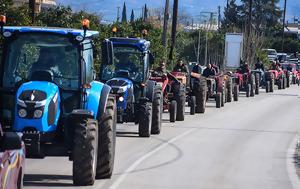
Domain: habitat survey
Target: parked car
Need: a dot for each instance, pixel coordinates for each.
(272, 54)
(12, 159)
(283, 57)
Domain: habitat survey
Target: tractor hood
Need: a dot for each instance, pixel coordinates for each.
(37, 107)
(119, 85)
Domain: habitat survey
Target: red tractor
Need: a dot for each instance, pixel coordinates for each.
(290, 70)
(244, 82)
(275, 77)
(196, 89)
(173, 95)
(217, 89)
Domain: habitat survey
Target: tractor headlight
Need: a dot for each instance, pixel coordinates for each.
(38, 113)
(22, 113)
(122, 89)
(121, 99)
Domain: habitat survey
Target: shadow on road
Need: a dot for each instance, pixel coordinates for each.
(43, 180)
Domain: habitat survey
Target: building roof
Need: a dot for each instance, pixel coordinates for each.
(62, 31)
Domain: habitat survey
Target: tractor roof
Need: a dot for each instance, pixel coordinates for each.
(63, 31)
(142, 44)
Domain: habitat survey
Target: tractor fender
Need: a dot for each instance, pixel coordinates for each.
(103, 100)
(150, 88)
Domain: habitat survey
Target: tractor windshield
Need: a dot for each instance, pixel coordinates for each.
(29, 53)
(128, 62)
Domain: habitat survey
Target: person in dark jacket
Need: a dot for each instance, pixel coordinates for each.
(259, 65)
(161, 69)
(181, 67)
(209, 71)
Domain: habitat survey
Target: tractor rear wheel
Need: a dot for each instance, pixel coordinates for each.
(181, 99)
(192, 105)
(200, 92)
(252, 90)
(173, 111)
(267, 86)
(157, 109)
(229, 90)
(248, 89)
(145, 119)
(218, 100)
(236, 93)
(107, 141)
(272, 82)
(85, 148)
(280, 84)
(288, 80)
(284, 83)
(257, 83)
(223, 98)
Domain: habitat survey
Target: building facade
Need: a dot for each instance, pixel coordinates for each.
(39, 3)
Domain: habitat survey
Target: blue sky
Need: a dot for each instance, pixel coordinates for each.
(109, 7)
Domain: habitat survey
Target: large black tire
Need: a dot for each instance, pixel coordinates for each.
(288, 80)
(272, 83)
(284, 80)
(145, 119)
(257, 83)
(252, 90)
(181, 99)
(218, 100)
(157, 109)
(229, 90)
(223, 98)
(173, 111)
(200, 92)
(192, 105)
(20, 179)
(236, 93)
(293, 80)
(267, 86)
(248, 89)
(85, 148)
(280, 84)
(107, 141)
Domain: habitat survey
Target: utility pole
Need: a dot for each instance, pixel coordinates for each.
(118, 14)
(198, 53)
(219, 17)
(32, 8)
(249, 26)
(283, 25)
(174, 27)
(166, 21)
(206, 44)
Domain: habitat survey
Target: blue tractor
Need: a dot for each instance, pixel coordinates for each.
(49, 93)
(139, 99)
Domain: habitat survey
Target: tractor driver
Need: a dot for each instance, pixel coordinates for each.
(209, 71)
(161, 69)
(259, 65)
(181, 67)
(125, 63)
(244, 68)
(46, 61)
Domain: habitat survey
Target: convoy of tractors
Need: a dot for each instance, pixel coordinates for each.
(51, 94)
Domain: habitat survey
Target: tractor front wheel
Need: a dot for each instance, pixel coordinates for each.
(192, 105)
(107, 141)
(145, 119)
(173, 111)
(157, 109)
(85, 148)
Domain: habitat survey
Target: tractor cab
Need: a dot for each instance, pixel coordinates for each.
(61, 58)
(128, 73)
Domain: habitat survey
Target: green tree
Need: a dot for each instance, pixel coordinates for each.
(231, 22)
(132, 16)
(124, 13)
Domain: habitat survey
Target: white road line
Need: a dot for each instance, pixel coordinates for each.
(291, 169)
(121, 178)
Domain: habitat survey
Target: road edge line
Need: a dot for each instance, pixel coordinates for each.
(131, 168)
(290, 165)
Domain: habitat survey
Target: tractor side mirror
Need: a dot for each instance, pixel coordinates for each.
(10, 141)
(107, 53)
(151, 59)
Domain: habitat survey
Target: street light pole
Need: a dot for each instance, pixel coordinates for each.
(198, 53)
(174, 29)
(166, 19)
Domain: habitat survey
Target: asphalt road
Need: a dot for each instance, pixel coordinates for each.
(245, 145)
